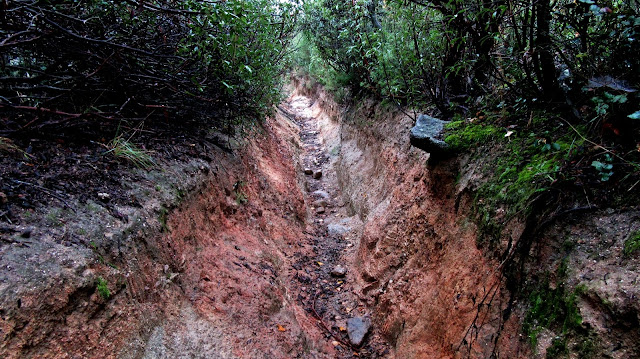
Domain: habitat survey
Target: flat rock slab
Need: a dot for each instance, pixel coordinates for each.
(357, 329)
(428, 135)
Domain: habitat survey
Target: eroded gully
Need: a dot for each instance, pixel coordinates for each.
(324, 281)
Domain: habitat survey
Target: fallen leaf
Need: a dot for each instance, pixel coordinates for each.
(281, 328)
(509, 133)
(342, 329)
(320, 263)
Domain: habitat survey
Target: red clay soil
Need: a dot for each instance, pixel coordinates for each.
(419, 270)
(254, 262)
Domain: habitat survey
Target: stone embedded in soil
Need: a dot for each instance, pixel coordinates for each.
(317, 174)
(320, 203)
(428, 134)
(335, 229)
(339, 271)
(357, 329)
(308, 171)
(320, 210)
(321, 193)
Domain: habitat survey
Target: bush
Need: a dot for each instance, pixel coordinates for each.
(98, 62)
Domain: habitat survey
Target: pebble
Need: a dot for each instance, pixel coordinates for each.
(339, 271)
(320, 203)
(320, 210)
(321, 193)
(317, 174)
(308, 171)
(357, 329)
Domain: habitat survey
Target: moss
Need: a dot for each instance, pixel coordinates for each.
(462, 135)
(53, 218)
(162, 218)
(525, 164)
(558, 348)
(554, 308)
(102, 288)
(632, 243)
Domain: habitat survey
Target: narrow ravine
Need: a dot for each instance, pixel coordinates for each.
(323, 280)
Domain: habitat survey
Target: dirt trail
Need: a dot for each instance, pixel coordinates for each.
(323, 280)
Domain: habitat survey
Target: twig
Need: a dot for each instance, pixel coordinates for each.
(324, 325)
(602, 147)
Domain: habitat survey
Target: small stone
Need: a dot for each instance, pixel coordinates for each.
(308, 171)
(335, 343)
(105, 197)
(3, 198)
(339, 271)
(357, 329)
(320, 210)
(317, 174)
(320, 203)
(321, 193)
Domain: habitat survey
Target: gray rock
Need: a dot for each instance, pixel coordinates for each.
(336, 229)
(428, 135)
(320, 210)
(357, 329)
(339, 271)
(321, 193)
(317, 174)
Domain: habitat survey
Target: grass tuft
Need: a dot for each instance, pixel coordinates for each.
(126, 150)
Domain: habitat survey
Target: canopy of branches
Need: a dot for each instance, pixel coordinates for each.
(73, 63)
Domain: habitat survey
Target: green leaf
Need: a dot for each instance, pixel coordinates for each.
(635, 115)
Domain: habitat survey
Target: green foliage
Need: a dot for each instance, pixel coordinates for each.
(241, 197)
(604, 169)
(102, 287)
(526, 164)
(104, 60)
(632, 243)
(54, 217)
